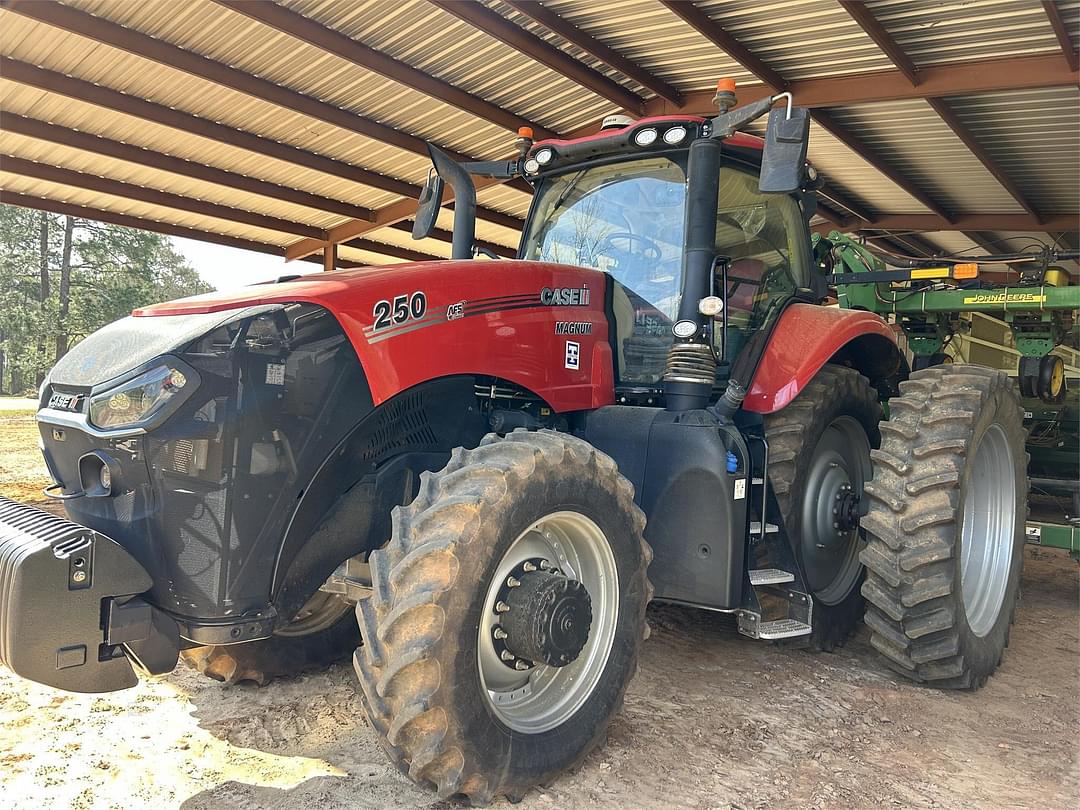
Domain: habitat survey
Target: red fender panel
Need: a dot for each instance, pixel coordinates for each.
(804, 340)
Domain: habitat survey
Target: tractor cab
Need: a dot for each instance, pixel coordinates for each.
(700, 228)
(617, 202)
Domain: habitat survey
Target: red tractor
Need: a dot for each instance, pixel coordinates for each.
(496, 465)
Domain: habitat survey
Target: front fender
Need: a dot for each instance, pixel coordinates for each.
(806, 338)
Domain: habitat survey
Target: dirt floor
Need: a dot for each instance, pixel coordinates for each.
(712, 720)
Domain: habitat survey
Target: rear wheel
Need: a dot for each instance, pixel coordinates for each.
(506, 615)
(323, 632)
(819, 462)
(946, 526)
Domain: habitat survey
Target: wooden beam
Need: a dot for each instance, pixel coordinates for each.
(957, 79)
(129, 191)
(405, 254)
(942, 108)
(80, 90)
(395, 212)
(1068, 50)
(495, 25)
(715, 33)
(329, 258)
(85, 141)
(968, 222)
(595, 48)
(53, 82)
(139, 223)
(443, 235)
(884, 40)
(164, 53)
(307, 30)
(712, 30)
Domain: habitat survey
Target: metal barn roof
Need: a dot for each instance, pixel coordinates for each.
(285, 127)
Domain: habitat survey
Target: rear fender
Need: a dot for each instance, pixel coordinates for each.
(807, 337)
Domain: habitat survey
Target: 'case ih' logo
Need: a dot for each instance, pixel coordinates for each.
(565, 296)
(64, 402)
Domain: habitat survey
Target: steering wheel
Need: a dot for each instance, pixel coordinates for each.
(650, 250)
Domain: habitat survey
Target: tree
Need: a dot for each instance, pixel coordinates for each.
(65, 277)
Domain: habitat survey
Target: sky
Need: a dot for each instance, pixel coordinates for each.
(228, 268)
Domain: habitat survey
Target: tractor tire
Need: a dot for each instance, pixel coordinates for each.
(548, 512)
(946, 526)
(818, 444)
(309, 644)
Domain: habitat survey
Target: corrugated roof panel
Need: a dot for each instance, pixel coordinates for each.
(439, 43)
(106, 202)
(85, 117)
(938, 31)
(77, 160)
(911, 138)
(1035, 136)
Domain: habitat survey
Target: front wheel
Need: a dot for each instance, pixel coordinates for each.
(506, 615)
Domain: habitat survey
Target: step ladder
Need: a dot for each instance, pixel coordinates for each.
(776, 603)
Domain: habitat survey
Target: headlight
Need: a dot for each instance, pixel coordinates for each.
(674, 135)
(645, 137)
(531, 166)
(138, 399)
(544, 156)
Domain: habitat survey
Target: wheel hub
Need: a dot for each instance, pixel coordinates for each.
(846, 509)
(547, 618)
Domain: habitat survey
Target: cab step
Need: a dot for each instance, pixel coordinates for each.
(755, 528)
(770, 576)
(783, 628)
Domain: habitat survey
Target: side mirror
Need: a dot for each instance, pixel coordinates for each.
(431, 196)
(786, 137)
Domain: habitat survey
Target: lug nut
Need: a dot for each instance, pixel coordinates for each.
(528, 566)
(506, 655)
(512, 582)
(500, 633)
(520, 665)
(544, 565)
(501, 607)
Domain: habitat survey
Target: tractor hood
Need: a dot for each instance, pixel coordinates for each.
(417, 321)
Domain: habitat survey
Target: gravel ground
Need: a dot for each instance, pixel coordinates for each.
(712, 720)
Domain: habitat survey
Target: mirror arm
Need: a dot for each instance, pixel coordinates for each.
(501, 169)
(727, 124)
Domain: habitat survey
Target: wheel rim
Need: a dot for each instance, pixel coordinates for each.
(319, 613)
(830, 539)
(543, 697)
(986, 540)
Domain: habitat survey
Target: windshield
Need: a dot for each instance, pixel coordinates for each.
(625, 219)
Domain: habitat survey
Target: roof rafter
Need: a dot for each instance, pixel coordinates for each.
(165, 53)
(1068, 50)
(952, 120)
(966, 222)
(935, 81)
(405, 254)
(484, 19)
(712, 31)
(595, 48)
(130, 191)
(140, 223)
(882, 38)
(314, 33)
(873, 27)
(443, 235)
(43, 131)
(715, 33)
(53, 82)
